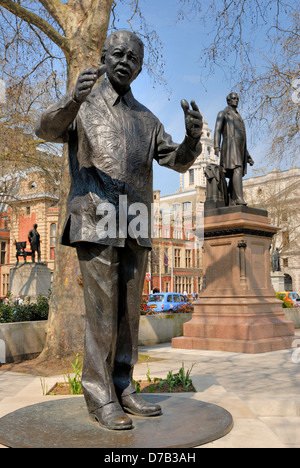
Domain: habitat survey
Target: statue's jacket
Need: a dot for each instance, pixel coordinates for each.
(112, 142)
(234, 151)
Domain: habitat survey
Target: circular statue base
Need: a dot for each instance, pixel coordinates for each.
(65, 423)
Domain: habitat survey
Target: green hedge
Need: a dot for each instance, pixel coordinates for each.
(26, 312)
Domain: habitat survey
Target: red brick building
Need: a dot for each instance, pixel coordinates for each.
(31, 199)
(175, 263)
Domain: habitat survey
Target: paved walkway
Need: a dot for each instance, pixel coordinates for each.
(260, 391)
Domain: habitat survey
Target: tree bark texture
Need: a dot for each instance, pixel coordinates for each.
(88, 29)
(81, 33)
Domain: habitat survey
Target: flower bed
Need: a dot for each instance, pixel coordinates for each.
(187, 308)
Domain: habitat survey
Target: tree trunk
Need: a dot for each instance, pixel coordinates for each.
(66, 323)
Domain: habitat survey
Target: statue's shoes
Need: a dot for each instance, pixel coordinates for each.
(111, 416)
(136, 405)
(241, 202)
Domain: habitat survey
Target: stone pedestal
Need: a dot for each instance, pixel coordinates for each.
(30, 279)
(237, 311)
(277, 278)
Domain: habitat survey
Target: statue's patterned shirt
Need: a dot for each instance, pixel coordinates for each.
(112, 143)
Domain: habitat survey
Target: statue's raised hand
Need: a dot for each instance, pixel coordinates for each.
(193, 119)
(86, 81)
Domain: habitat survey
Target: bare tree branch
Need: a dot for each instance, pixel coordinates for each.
(36, 20)
(57, 10)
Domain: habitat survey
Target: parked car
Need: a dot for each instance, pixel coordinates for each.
(289, 296)
(165, 301)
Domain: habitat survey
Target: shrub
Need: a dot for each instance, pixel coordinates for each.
(285, 304)
(26, 312)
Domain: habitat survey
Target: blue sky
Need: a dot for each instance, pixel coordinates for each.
(181, 52)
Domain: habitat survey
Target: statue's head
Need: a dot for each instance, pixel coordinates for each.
(35, 226)
(233, 99)
(123, 54)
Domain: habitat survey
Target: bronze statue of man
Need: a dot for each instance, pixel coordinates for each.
(234, 153)
(113, 140)
(276, 260)
(35, 243)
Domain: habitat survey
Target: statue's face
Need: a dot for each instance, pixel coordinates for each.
(123, 61)
(233, 100)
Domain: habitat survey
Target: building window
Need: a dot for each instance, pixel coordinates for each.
(176, 207)
(187, 207)
(177, 258)
(183, 284)
(188, 258)
(155, 260)
(3, 253)
(192, 176)
(198, 258)
(166, 261)
(178, 284)
(285, 238)
(199, 283)
(5, 284)
(187, 284)
(285, 262)
(28, 210)
(52, 240)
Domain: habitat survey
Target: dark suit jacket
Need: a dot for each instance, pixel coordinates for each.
(112, 143)
(34, 239)
(234, 151)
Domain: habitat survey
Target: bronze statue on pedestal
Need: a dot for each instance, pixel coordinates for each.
(113, 140)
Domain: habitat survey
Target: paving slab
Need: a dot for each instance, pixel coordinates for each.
(248, 433)
(287, 429)
(260, 391)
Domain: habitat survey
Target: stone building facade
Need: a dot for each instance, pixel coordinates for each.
(31, 199)
(279, 193)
